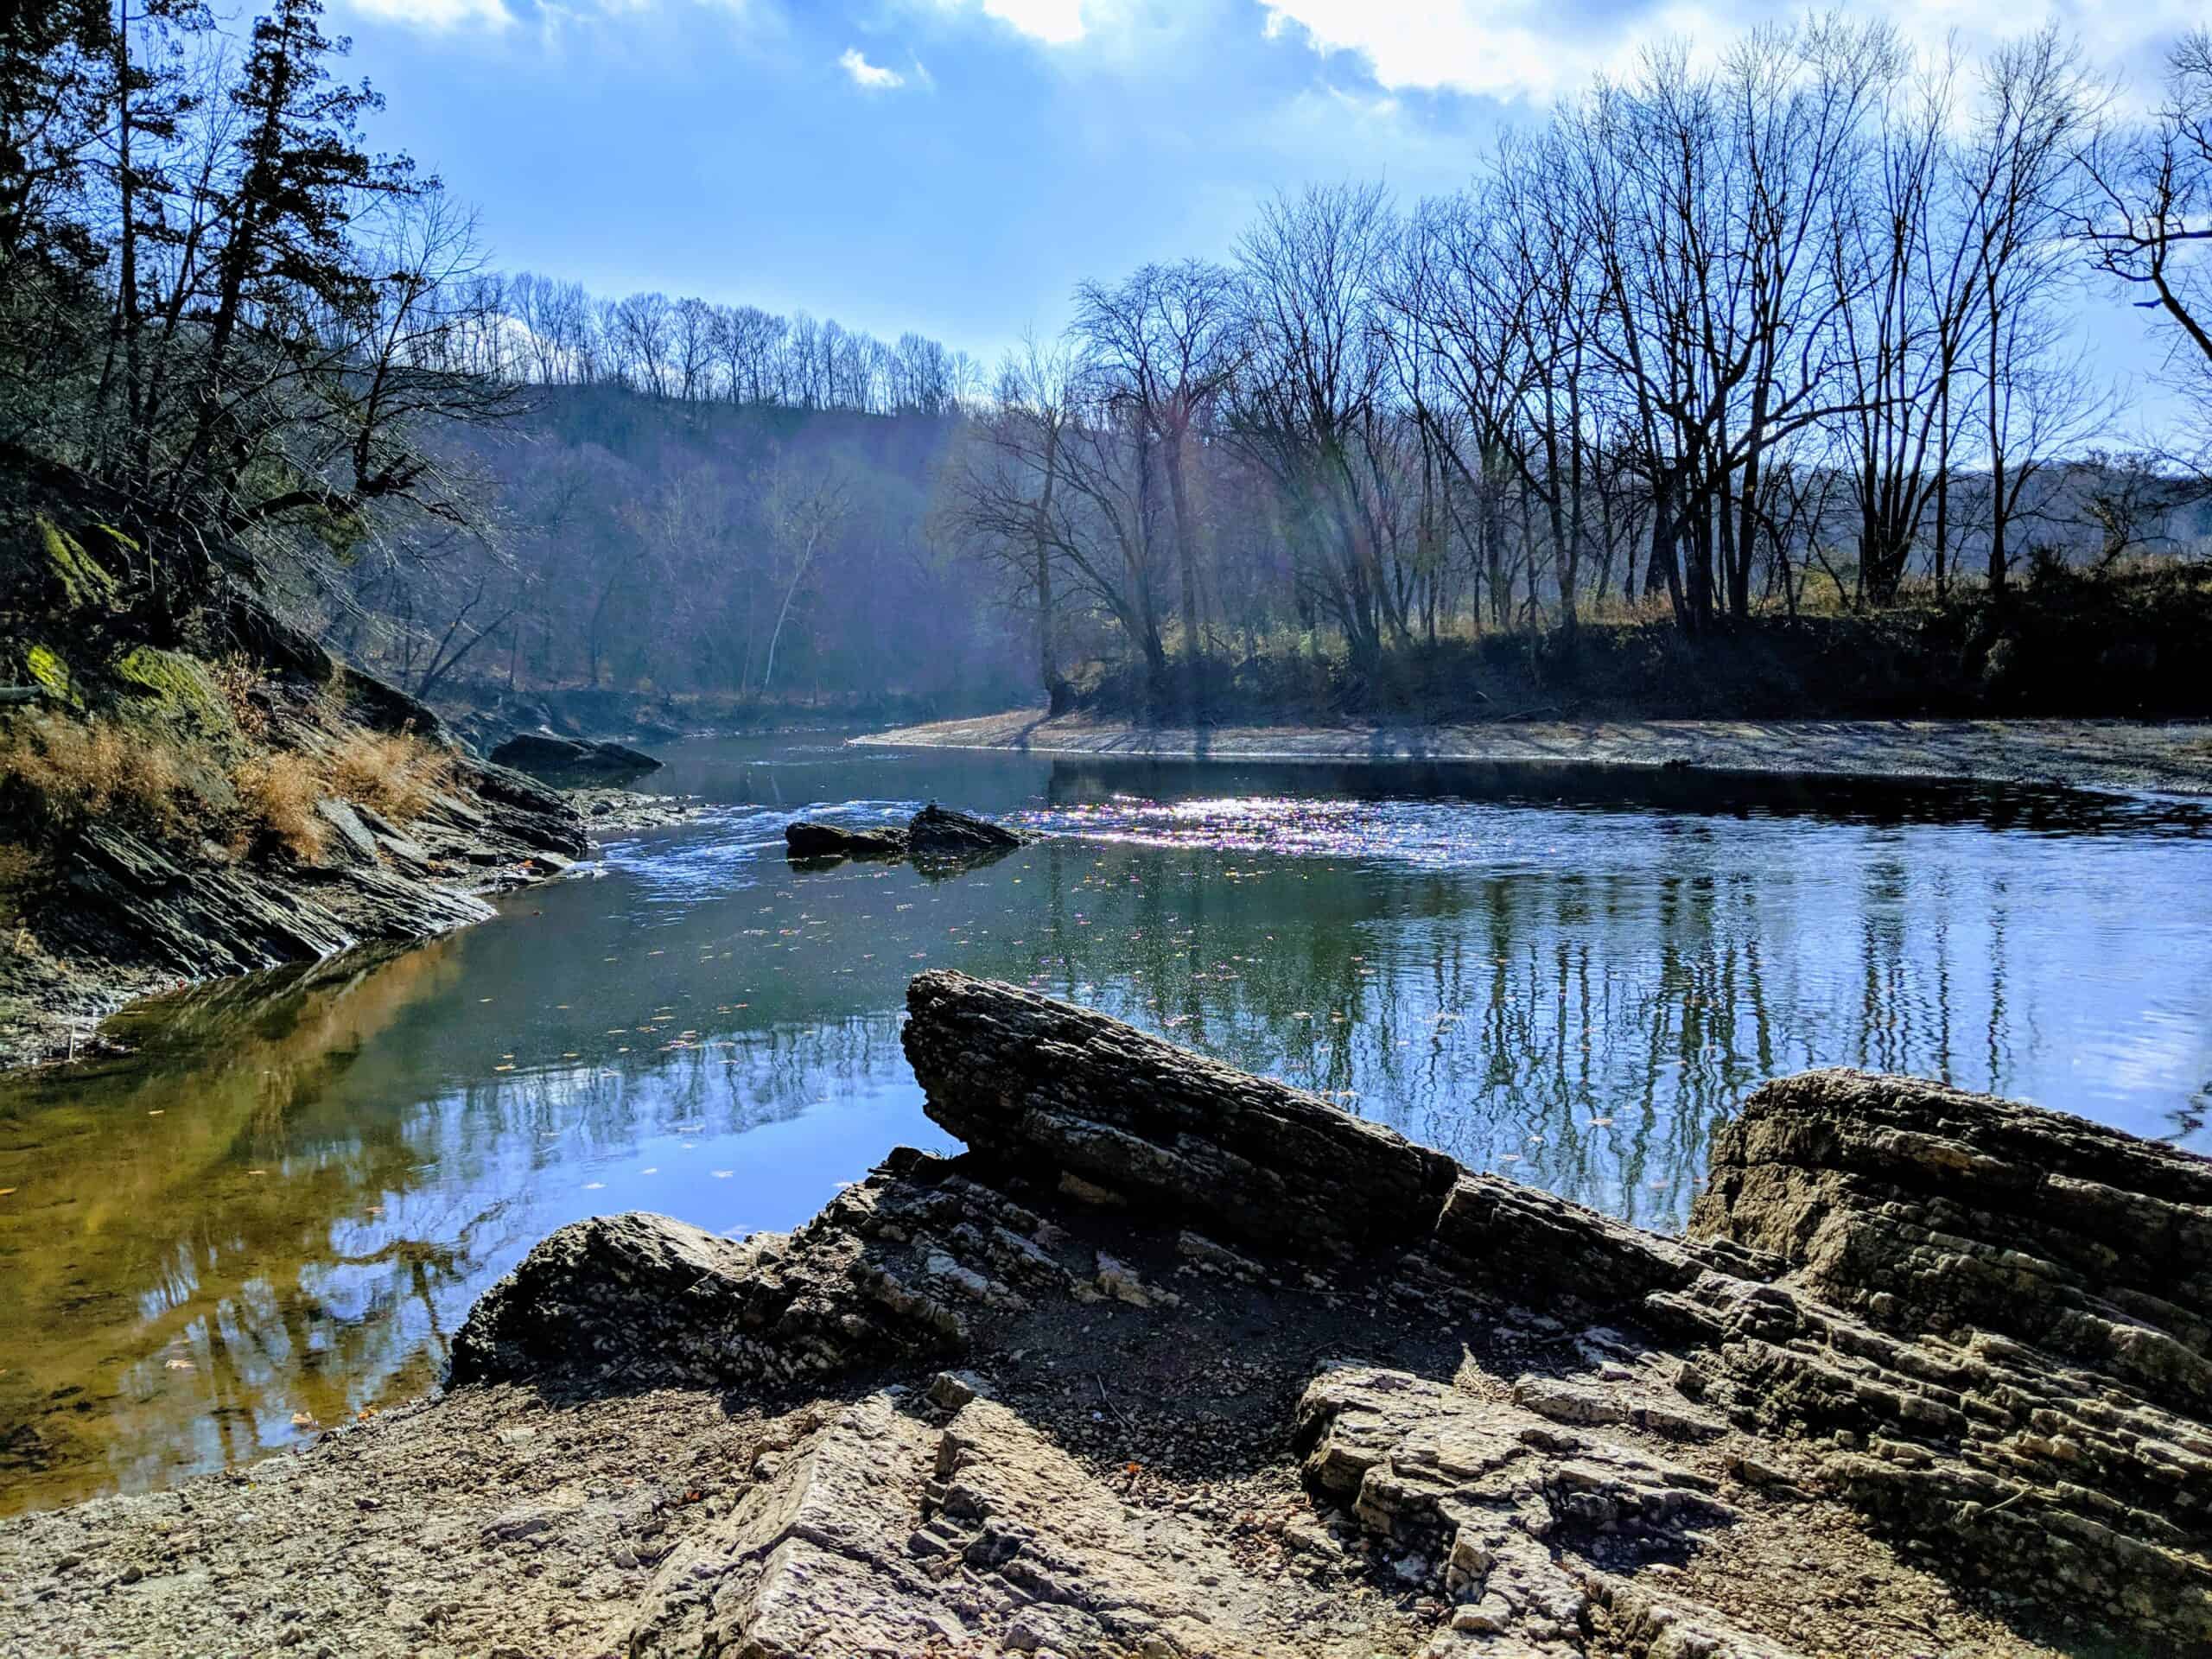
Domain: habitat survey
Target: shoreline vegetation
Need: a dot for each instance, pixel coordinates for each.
(1173, 1360)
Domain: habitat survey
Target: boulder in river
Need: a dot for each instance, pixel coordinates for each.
(808, 839)
(542, 755)
(940, 832)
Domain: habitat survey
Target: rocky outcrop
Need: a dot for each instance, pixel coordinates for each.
(1914, 1339)
(1117, 1113)
(563, 758)
(900, 1265)
(942, 843)
(940, 832)
(130, 911)
(1994, 1319)
(809, 840)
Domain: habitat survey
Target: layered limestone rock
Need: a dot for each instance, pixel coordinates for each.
(1925, 1363)
(901, 1526)
(1047, 1085)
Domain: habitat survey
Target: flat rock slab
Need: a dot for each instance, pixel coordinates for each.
(2172, 755)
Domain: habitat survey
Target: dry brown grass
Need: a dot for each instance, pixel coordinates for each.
(77, 770)
(20, 869)
(277, 794)
(396, 772)
(236, 680)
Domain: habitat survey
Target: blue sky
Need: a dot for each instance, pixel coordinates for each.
(956, 166)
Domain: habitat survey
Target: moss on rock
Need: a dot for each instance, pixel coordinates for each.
(178, 684)
(85, 583)
(51, 670)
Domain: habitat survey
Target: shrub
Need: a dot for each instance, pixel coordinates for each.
(277, 800)
(395, 772)
(20, 870)
(77, 770)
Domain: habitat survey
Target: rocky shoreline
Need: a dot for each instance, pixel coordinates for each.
(145, 920)
(2169, 757)
(1176, 1361)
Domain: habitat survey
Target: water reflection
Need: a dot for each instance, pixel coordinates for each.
(276, 1213)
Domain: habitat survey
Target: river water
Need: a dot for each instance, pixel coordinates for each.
(276, 1210)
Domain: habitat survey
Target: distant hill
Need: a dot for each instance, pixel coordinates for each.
(662, 546)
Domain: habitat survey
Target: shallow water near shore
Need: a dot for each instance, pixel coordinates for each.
(277, 1210)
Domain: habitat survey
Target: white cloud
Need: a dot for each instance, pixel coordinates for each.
(1538, 49)
(1055, 22)
(870, 77)
(437, 14)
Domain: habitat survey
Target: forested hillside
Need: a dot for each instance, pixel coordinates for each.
(648, 543)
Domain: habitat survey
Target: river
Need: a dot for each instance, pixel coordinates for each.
(276, 1211)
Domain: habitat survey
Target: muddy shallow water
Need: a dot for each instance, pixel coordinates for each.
(276, 1212)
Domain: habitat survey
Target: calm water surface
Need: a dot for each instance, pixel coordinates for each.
(277, 1210)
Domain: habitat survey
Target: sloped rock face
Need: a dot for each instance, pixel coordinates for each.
(1995, 1317)
(896, 1528)
(1051, 1085)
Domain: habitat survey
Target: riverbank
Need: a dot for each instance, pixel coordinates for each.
(2170, 757)
(1177, 1361)
(441, 875)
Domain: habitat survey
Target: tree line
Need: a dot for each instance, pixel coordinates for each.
(225, 322)
(1806, 310)
(1795, 320)
(695, 351)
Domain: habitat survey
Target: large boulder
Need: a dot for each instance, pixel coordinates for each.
(1057, 1087)
(940, 832)
(542, 755)
(807, 839)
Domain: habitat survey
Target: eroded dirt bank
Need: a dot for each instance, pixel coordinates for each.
(2174, 757)
(1175, 1361)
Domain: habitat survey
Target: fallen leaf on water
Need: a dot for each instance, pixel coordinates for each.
(6, 1191)
(593, 1186)
(157, 1112)
(303, 1419)
(180, 1365)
